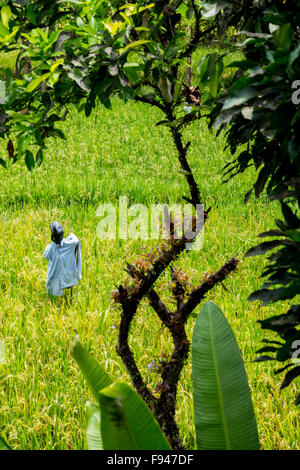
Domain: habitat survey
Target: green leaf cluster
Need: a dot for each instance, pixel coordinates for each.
(224, 416)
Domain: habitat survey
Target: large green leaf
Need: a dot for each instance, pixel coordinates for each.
(6, 15)
(94, 374)
(3, 445)
(127, 423)
(93, 434)
(224, 416)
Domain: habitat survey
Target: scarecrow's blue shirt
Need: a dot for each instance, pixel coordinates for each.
(63, 268)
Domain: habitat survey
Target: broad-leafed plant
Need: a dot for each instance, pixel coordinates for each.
(223, 410)
(260, 111)
(80, 53)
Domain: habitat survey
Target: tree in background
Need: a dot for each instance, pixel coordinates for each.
(260, 111)
(81, 53)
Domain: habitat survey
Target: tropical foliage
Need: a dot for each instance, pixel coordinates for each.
(73, 53)
(224, 416)
(260, 112)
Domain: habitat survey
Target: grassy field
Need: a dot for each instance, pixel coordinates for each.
(112, 154)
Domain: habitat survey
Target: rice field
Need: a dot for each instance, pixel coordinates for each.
(115, 153)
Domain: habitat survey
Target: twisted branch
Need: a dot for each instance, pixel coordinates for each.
(129, 297)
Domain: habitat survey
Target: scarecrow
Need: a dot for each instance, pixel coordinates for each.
(64, 256)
